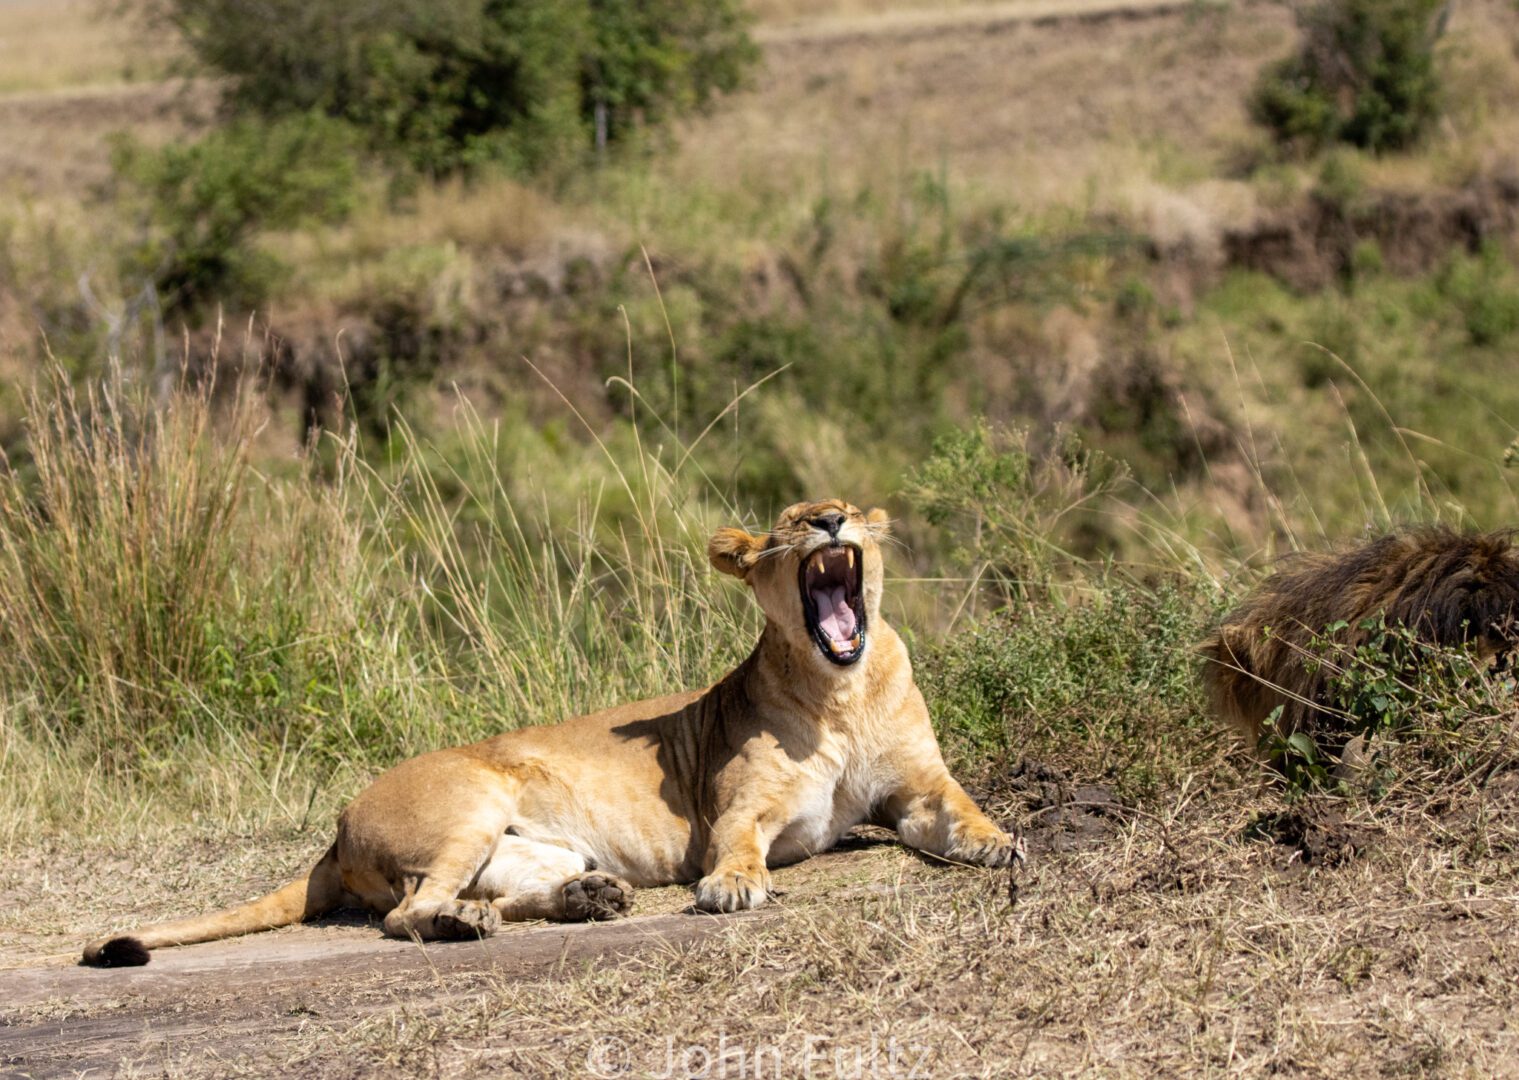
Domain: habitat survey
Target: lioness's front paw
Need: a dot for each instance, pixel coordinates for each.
(733, 890)
(986, 845)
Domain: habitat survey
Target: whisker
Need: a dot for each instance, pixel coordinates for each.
(772, 552)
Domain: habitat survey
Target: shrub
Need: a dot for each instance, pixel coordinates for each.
(1016, 513)
(1422, 715)
(1105, 688)
(445, 84)
(1483, 290)
(1364, 75)
(203, 204)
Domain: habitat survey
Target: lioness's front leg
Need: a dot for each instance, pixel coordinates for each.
(932, 813)
(736, 875)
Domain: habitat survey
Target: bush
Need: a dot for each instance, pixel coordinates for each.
(1422, 715)
(1018, 514)
(1483, 290)
(1364, 75)
(204, 204)
(1105, 688)
(444, 84)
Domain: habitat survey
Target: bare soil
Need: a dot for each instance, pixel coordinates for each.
(1227, 931)
(234, 998)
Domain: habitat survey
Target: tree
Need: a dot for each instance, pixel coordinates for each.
(445, 84)
(1364, 74)
(203, 205)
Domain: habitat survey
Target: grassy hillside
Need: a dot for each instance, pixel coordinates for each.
(1022, 273)
(1037, 286)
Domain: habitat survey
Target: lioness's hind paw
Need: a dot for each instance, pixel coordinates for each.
(596, 896)
(466, 919)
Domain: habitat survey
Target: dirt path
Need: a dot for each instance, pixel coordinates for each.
(1164, 942)
(238, 997)
(917, 22)
(276, 994)
(243, 994)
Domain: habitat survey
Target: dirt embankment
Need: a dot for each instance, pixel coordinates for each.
(1314, 245)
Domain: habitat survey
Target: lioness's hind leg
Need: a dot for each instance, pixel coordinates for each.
(527, 879)
(435, 907)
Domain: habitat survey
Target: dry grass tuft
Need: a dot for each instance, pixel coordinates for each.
(50, 45)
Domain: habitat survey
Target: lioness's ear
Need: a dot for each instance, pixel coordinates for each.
(878, 519)
(734, 551)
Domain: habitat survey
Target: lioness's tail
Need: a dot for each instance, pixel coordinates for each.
(305, 898)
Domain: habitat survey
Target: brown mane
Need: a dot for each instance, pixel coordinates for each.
(1449, 588)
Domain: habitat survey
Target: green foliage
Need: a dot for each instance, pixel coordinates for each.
(1364, 75)
(934, 269)
(1423, 714)
(1484, 290)
(653, 59)
(445, 84)
(1017, 513)
(1297, 757)
(205, 204)
(1410, 388)
(1104, 688)
(161, 599)
(150, 594)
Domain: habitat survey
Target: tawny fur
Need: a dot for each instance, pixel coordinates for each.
(1449, 588)
(768, 766)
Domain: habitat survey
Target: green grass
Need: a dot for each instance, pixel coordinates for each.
(187, 633)
(1377, 403)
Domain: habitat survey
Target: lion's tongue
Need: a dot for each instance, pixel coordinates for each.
(835, 615)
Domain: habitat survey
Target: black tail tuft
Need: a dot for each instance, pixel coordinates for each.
(120, 952)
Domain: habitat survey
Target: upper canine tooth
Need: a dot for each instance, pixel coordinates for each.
(817, 561)
(850, 552)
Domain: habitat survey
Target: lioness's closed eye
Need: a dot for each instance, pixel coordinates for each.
(820, 729)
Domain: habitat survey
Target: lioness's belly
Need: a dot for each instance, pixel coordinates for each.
(625, 829)
(824, 815)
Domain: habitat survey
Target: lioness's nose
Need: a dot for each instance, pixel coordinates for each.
(829, 523)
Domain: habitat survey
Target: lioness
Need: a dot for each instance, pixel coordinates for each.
(820, 729)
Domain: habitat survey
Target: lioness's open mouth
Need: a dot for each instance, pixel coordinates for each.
(834, 600)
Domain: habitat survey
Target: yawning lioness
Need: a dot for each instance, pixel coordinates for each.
(820, 729)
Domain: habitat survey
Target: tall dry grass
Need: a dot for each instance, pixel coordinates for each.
(52, 45)
(186, 634)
